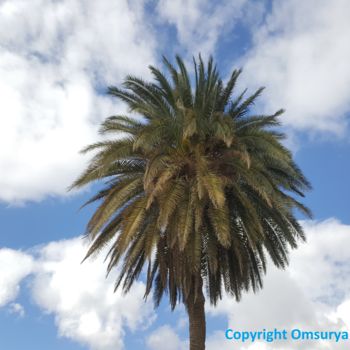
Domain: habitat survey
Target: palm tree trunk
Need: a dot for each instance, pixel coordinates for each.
(196, 315)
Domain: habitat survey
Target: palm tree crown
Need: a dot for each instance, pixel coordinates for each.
(196, 189)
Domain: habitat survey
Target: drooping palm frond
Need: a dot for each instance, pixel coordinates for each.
(199, 189)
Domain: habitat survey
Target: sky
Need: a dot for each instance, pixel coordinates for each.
(57, 58)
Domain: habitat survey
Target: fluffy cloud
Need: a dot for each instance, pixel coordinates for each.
(57, 58)
(301, 55)
(325, 260)
(54, 61)
(165, 338)
(199, 24)
(14, 266)
(312, 294)
(82, 299)
(17, 309)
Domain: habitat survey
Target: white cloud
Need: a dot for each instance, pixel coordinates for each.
(52, 61)
(325, 259)
(312, 294)
(217, 342)
(301, 55)
(14, 267)
(79, 296)
(199, 24)
(17, 309)
(165, 338)
(82, 299)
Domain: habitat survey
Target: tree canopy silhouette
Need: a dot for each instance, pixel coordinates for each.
(198, 190)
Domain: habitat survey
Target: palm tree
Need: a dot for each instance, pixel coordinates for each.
(197, 190)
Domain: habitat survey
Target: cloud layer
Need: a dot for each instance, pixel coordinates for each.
(301, 55)
(53, 62)
(312, 294)
(14, 267)
(79, 296)
(82, 299)
(200, 24)
(56, 61)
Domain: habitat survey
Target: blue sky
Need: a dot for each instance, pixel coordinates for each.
(57, 58)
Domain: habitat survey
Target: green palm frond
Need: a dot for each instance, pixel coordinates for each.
(195, 187)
